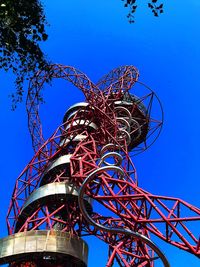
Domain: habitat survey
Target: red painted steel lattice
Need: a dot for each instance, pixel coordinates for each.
(98, 137)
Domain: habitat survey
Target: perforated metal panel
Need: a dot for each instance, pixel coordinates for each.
(27, 245)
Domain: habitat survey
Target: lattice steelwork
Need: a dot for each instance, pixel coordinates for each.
(82, 181)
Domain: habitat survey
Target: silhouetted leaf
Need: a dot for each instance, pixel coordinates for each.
(44, 36)
(155, 13)
(150, 5)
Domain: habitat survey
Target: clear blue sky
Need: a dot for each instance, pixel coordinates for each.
(95, 37)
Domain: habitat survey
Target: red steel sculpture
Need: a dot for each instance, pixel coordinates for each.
(82, 181)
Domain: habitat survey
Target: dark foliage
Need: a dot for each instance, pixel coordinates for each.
(155, 7)
(22, 27)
